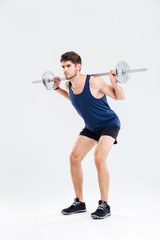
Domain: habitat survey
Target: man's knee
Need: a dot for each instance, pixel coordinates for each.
(99, 159)
(75, 159)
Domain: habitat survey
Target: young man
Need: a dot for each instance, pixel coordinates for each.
(88, 95)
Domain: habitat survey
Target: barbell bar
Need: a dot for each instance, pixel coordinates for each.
(122, 72)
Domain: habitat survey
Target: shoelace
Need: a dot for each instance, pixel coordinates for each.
(102, 206)
(75, 203)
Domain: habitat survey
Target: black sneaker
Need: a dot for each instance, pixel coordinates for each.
(102, 211)
(76, 207)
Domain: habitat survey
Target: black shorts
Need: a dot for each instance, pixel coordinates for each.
(110, 131)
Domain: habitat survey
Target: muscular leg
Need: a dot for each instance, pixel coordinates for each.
(102, 149)
(82, 146)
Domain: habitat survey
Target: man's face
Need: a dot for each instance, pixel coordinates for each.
(70, 69)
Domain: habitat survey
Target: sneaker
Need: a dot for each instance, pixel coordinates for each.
(76, 207)
(102, 211)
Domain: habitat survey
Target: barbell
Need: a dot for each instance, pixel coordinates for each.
(122, 72)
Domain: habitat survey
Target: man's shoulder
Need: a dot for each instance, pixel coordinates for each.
(96, 82)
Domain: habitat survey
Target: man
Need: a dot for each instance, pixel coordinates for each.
(88, 96)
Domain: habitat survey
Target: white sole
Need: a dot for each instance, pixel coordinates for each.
(79, 211)
(97, 217)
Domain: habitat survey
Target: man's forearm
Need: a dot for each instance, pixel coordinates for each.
(63, 92)
(119, 92)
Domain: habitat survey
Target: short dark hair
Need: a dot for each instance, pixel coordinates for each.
(71, 56)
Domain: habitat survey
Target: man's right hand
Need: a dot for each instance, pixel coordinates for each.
(56, 82)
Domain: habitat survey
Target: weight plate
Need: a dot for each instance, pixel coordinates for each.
(122, 72)
(47, 79)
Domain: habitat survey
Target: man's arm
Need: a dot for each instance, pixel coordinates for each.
(61, 91)
(114, 91)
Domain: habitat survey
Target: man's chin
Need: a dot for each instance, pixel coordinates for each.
(69, 77)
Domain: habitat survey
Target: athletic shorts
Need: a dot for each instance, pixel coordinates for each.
(109, 131)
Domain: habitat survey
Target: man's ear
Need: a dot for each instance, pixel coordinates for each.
(79, 67)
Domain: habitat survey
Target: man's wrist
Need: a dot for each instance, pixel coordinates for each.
(56, 88)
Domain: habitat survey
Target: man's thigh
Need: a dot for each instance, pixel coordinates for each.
(104, 145)
(82, 146)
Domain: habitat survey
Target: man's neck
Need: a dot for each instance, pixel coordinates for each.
(78, 80)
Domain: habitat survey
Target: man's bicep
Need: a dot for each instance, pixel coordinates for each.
(107, 90)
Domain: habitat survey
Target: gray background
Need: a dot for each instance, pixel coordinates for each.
(38, 127)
